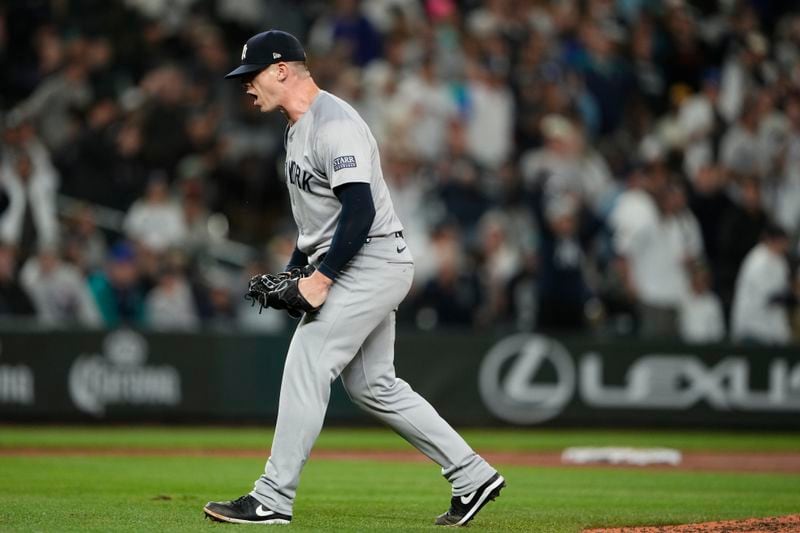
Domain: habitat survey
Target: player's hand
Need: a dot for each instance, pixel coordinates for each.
(315, 288)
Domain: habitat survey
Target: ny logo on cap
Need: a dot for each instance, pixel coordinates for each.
(244, 51)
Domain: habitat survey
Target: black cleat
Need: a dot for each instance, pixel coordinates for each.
(244, 510)
(464, 508)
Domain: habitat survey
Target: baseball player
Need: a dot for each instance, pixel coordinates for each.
(349, 233)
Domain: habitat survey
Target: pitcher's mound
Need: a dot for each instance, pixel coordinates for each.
(778, 524)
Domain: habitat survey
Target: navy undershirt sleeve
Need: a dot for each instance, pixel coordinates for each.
(355, 221)
(298, 259)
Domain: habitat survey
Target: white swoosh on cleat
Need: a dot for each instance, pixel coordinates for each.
(260, 511)
(466, 499)
(499, 482)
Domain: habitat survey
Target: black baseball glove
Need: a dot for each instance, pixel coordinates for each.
(280, 291)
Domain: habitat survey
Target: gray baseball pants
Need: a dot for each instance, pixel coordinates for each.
(353, 336)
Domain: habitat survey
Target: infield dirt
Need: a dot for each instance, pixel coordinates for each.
(780, 524)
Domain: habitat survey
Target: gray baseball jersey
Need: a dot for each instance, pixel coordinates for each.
(331, 145)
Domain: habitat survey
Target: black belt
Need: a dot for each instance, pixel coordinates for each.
(395, 234)
(368, 239)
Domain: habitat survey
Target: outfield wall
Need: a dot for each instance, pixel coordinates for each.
(473, 379)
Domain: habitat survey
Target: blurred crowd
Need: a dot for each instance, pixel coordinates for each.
(608, 167)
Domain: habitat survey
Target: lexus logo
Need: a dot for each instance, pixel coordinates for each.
(525, 379)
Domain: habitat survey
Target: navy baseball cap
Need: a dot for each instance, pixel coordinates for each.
(266, 48)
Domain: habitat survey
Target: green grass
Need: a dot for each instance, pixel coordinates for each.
(142, 493)
(363, 439)
(167, 494)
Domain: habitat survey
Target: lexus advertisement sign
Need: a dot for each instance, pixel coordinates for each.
(531, 379)
(471, 379)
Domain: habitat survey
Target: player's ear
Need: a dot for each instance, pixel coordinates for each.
(283, 71)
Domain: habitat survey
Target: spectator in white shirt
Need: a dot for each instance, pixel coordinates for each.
(787, 193)
(763, 291)
(740, 150)
(155, 221)
(701, 123)
(59, 291)
(490, 117)
(701, 317)
(739, 74)
(655, 237)
(427, 108)
(566, 165)
(383, 106)
(30, 182)
(502, 258)
(170, 304)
